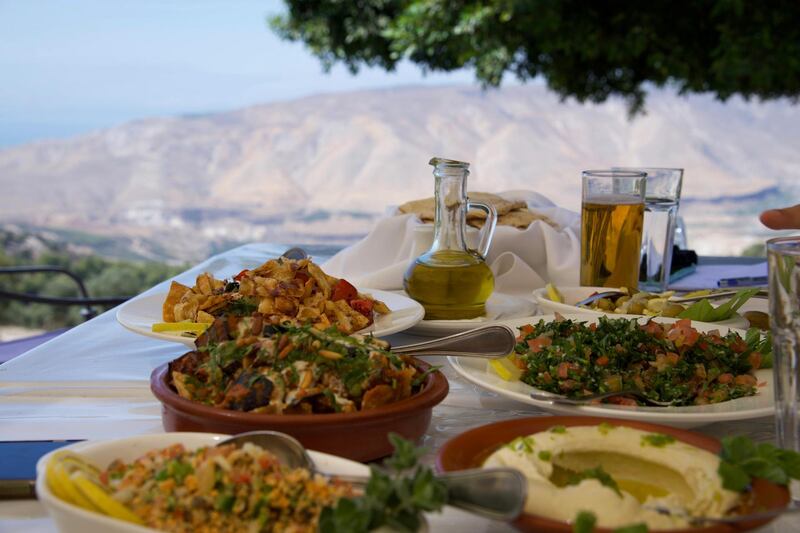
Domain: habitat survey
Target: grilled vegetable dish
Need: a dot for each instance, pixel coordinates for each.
(667, 362)
(282, 290)
(293, 370)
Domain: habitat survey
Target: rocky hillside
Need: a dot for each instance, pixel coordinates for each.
(322, 168)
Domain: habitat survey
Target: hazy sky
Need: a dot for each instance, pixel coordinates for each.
(69, 66)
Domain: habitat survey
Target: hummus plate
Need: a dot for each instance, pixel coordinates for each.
(472, 448)
(761, 404)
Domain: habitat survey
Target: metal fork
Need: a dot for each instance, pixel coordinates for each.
(585, 400)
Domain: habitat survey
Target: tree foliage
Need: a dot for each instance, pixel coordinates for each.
(102, 277)
(585, 49)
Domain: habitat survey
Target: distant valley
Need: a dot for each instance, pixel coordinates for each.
(322, 169)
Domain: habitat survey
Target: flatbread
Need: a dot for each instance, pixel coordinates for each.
(518, 218)
(426, 207)
(176, 292)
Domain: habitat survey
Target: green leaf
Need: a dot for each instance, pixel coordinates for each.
(584, 522)
(737, 449)
(705, 312)
(733, 477)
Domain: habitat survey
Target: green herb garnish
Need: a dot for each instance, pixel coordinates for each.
(599, 474)
(659, 440)
(585, 522)
(395, 497)
(742, 460)
(545, 455)
(558, 429)
(705, 312)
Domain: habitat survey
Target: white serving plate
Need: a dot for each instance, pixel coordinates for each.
(140, 313)
(573, 295)
(762, 404)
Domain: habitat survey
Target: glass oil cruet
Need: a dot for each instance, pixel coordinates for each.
(450, 280)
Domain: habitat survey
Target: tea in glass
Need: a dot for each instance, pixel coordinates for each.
(612, 219)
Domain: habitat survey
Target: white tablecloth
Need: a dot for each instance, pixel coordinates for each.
(92, 382)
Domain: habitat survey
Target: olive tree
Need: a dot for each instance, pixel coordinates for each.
(586, 49)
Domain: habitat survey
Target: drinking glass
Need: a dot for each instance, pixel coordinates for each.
(612, 212)
(783, 255)
(661, 199)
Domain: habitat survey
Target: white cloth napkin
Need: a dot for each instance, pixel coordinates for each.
(521, 260)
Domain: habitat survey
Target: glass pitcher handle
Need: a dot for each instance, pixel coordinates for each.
(488, 229)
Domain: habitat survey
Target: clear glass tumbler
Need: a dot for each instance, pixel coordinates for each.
(661, 200)
(783, 255)
(612, 213)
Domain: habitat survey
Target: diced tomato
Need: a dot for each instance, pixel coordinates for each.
(362, 306)
(242, 478)
(563, 370)
(738, 345)
(240, 275)
(602, 360)
(343, 291)
(745, 379)
(654, 328)
(527, 329)
(725, 378)
(538, 343)
(755, 359)
(593, 327)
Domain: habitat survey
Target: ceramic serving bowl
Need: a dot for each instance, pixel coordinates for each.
(573, 295)
(73, 519)
(471, 448)
(361, 436)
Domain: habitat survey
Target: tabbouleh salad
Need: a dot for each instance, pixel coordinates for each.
(667, 362)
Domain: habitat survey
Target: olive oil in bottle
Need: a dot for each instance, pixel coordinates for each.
(450, 284)
(450, 280)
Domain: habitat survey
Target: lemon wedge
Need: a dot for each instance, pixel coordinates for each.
(60, 482)
(178, 327)
(505, 368)
(102, 500)
(554, 294)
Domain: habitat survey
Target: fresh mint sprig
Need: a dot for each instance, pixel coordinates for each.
(742, 460)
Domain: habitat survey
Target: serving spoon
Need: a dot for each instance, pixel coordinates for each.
(488, 342)
(496, 493)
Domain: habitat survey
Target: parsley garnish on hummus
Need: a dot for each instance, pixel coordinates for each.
(659, 440)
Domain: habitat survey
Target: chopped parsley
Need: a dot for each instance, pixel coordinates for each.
(597, 473)
(659, 440)
(558, 429)
(545, 455)
(672, 363)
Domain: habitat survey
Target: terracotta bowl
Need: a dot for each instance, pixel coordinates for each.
(471, 448)
(361, 436)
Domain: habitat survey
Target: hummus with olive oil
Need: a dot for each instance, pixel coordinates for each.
(618, 473)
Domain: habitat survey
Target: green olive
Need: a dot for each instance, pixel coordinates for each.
(757, 319)
(636, 308)
(605, 304)
(672, 310)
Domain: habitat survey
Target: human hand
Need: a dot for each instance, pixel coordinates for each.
(786, 218)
